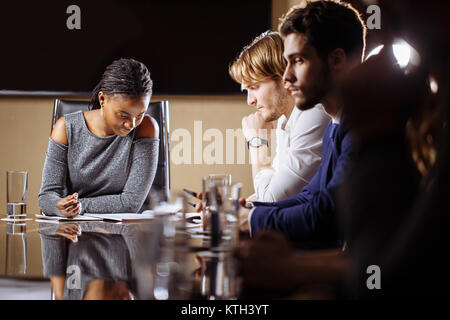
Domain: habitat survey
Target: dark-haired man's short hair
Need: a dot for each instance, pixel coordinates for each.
(327, 25)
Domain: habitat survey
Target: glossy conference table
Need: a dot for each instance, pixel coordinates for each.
(154, 259)
(157, 259)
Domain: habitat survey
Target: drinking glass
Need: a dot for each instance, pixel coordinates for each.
(217, 180)
(16, 194)
(224, 219)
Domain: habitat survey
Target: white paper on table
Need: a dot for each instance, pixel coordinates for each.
(16, 220)
(146, 215)
(196, 220)
(50, 221)
(167, 208)
(64, 219)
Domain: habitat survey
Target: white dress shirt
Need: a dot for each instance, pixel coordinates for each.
(298, 155)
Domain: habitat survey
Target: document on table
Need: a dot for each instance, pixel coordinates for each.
(120, 217)
(167, 208)
(192, 218)
(64, 219)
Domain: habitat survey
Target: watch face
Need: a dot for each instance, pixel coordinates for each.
(255, 142)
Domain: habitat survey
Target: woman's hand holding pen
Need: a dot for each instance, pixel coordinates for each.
(69, 206)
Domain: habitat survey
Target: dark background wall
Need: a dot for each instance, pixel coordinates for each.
(187, 45)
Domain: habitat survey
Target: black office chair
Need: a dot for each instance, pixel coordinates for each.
(160, 112)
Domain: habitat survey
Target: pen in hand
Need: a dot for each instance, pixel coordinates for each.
(192, 193)
(78, 206)
(191, 204)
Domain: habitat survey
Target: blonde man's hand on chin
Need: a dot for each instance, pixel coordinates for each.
(254, 125)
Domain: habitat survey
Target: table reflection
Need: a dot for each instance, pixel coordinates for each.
(218, 278)
(90, 260)
(102, 260)
(163, 259)
(16, 249)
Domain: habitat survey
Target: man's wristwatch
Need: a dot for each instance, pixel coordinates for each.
(257, 142)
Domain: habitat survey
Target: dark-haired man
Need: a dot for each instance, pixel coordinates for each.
(323, 41)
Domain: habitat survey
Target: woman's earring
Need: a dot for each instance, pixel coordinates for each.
(101, 111)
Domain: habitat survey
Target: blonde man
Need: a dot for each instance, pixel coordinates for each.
(259, 69)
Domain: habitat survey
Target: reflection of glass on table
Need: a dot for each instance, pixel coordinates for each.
(218, 276)
(16, 249)
(161, 267)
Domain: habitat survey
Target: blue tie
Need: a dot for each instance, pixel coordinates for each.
(333, 131)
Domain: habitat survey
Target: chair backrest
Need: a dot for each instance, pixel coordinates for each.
(158, 111)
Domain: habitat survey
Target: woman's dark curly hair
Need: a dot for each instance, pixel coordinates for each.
(124, 76)
(327, 25)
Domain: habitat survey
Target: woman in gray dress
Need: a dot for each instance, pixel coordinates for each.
(104, 160)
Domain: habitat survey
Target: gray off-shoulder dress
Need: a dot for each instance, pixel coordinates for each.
(111, 174)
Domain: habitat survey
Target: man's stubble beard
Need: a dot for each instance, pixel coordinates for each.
(318, 97)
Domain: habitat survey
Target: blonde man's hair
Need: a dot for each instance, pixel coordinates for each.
(260, 60)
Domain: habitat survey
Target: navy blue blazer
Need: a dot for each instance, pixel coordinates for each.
(311, 214)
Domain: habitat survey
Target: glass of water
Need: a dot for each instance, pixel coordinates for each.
(216, 180)
(16, 194)
(224, 219)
